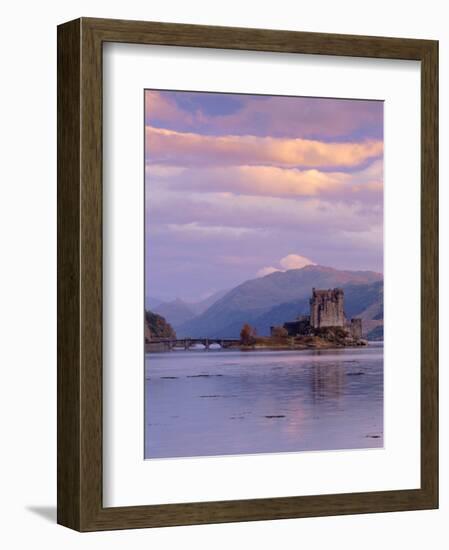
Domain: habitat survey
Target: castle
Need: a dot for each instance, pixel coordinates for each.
(326, 310)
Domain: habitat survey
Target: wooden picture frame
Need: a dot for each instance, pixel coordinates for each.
(80, 503)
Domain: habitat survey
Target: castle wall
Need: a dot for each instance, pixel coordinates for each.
(327, 308)
(299, 327)
(356, 328)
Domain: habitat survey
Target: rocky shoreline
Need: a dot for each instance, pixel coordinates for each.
(326, 340)
(317, 344)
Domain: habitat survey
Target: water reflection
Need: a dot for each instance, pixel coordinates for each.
(326, 382)
(202, 404)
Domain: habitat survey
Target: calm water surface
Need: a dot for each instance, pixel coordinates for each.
(205, 403)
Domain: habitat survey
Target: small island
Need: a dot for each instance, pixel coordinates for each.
(325, 328)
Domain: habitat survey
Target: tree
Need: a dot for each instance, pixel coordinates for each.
(157, 327)
(279, 332)
(248, 335)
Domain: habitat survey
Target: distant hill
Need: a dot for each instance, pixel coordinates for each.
(176, 312)
(376, 333)
(279, 297)
(201, 306)
(151, 302)
(279, 314)
(157, 327)
(368, 304)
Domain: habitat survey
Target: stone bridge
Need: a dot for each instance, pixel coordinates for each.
(186, 343)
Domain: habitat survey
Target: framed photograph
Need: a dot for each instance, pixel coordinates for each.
(247, 274)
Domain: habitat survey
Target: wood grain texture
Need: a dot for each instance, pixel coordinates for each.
(429, 271)
(69, 407)
(80, 274)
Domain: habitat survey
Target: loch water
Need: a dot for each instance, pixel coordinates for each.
(223, 402)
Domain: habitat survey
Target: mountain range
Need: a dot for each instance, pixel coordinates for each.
(180, 311)
(276, 298)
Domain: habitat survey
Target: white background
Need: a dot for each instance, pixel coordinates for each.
(28, 275)
(129, 480)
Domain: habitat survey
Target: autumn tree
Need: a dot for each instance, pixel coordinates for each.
(248, 335)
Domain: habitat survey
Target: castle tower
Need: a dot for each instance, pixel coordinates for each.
(327, 308)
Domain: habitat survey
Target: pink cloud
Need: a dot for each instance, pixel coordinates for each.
(266, 115)
(271, 214)
(295, 261)
(266, 271)
(181, 148)
(291, 261)
(303, 116)
(272, 181)
(159, 105)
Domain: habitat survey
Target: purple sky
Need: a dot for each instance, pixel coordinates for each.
(238, 186)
